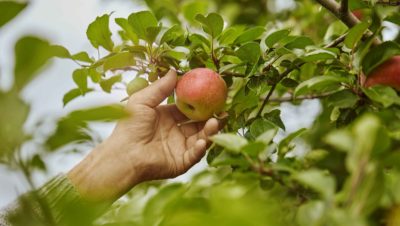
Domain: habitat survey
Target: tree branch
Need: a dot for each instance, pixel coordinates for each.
(344, 7)
(285, 73)
(338, 10)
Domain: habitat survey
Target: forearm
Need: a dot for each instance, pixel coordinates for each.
(105, 174)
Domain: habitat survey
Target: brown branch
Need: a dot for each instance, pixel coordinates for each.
(342, 13)
(344, 7)
(347, 18)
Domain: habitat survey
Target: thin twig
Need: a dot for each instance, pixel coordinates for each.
(348, 18)
(337, 41)
(306, 97)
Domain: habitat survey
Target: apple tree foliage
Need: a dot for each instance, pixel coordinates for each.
(342, 170)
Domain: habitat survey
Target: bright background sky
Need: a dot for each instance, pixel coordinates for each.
(64, 22)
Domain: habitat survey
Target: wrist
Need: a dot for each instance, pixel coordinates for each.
(105, 174)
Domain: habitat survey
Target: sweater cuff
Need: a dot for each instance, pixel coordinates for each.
(66, 205)
(55, 203)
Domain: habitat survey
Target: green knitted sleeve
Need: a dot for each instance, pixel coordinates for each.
(55, 203)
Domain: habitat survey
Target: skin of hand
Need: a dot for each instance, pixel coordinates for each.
(147, 145)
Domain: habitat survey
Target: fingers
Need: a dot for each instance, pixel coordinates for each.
(194, 154)
(210, 128)
(154, 94)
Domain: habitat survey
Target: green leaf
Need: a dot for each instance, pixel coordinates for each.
(355, 34)
(37, 163)
(319, 181)
(192, 8)
(173, 36)
(275, 37)
(72, 127)
(394, 18)
(80, 78)
(199, 40)
(267, 136)
(31, 54)
(102, 113)
(83, 57)
(384, 95)
(144, 25)
(72, 94)
(13, 114)
(379, 54)
(297, 42)
(319, 83)
(99, 33)
(254, 148)
(213, 24)
(289, 83)
(229, 35)
(130, 33)
(311, 213)
(274, 116)
(94, 75)
(283, 146)
(119, 61)
(343, 99)
(340, 139)
(107, 84)
(319, 54)
(249, 52)
(9, 10)
(62, 52)
(261, 126)
(231, 142)
(250, 35)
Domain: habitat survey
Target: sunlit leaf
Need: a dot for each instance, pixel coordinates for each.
(213, 24)
(144, 24)
(275, 37)
(107, 84)
(9, 10)
(229, 141)
(99, 33)
(355, 34)
(31, 54)
(250, 35)
(318, 180)
(249, 52)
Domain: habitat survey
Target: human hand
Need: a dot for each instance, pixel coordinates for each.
(148, 145)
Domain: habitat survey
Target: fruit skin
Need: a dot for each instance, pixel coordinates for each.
(388, 73)
(135, 85)
(200, 94)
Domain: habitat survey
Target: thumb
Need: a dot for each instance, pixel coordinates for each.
(154, 94)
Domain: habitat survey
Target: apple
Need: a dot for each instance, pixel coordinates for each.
(200, 93)
(135, 85)
(388, 73)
